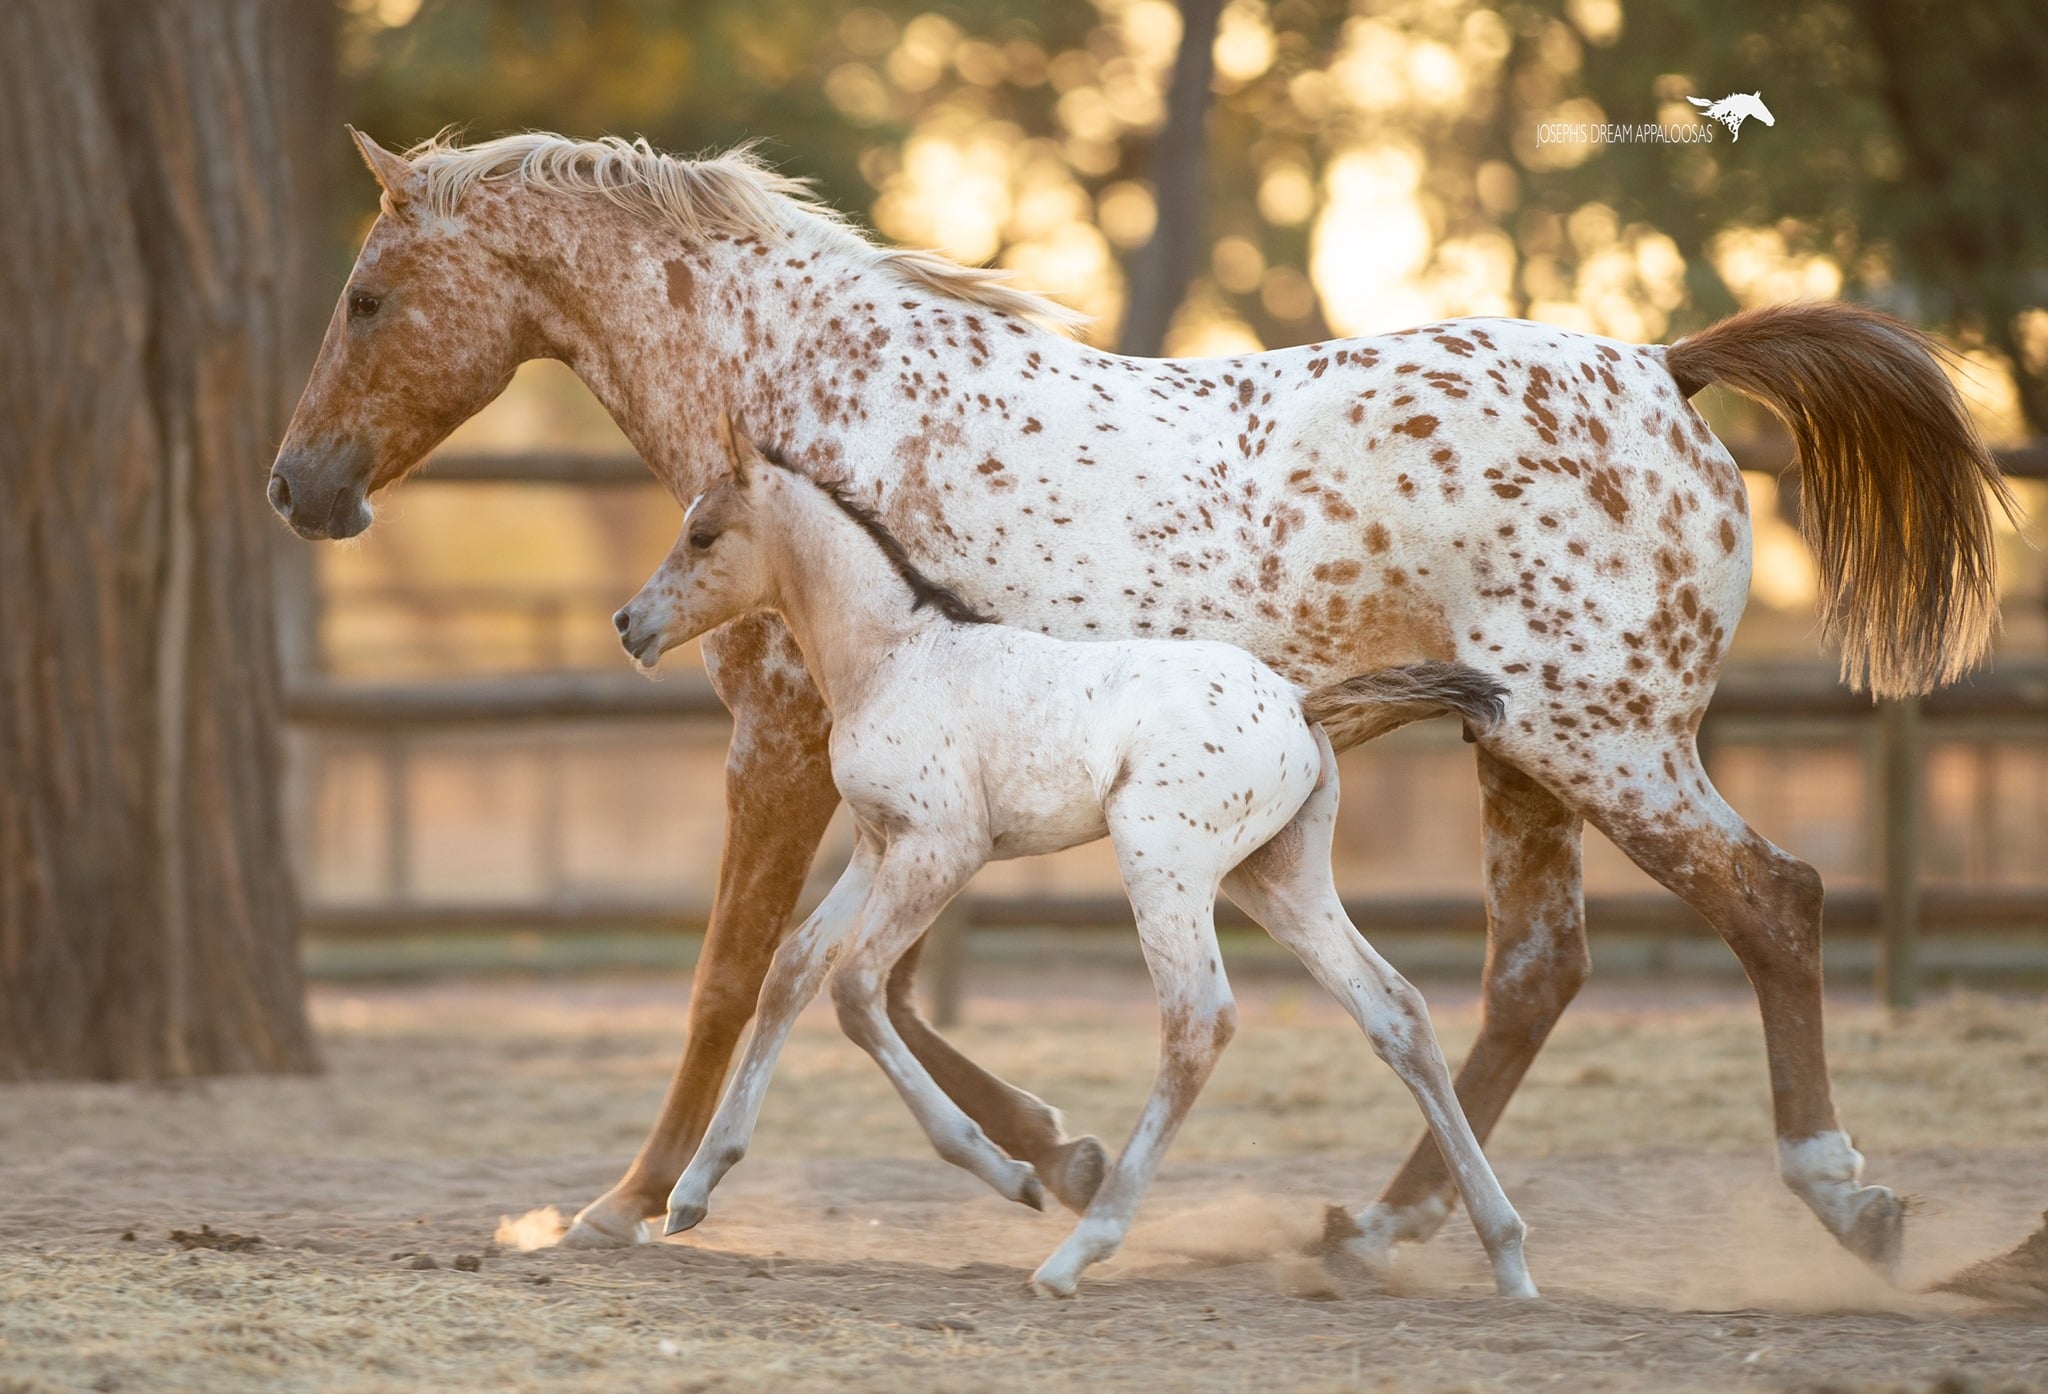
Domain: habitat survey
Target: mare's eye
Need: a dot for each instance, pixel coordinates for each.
(701, 541)
(362, 305)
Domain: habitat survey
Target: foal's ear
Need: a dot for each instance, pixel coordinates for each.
(398, 177)
(737, 446)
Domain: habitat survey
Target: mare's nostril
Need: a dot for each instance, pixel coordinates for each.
(622, 622)
(280, 494)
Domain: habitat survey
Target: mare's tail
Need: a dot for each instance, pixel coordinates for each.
(1355, 710)
(1895, 483)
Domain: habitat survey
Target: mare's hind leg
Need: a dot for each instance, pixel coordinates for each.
(1020, 1123)
(913, 887)
(1767, 905)
(1286, 886)
(1536, 961)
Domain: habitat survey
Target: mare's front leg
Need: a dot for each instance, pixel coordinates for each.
(793, 979)
(778, 799)
(1536, 961)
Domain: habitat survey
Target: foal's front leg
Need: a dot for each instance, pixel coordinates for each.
(911, 888)
(799, 969)
(778, 797)
(1017, 1121)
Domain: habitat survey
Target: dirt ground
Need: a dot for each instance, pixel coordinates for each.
(842, 1255)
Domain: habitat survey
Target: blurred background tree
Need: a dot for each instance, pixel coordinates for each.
(164, 206)
(1369, 165)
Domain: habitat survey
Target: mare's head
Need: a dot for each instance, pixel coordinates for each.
(427, 331)
(718, 570)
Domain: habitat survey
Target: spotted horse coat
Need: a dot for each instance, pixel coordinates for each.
(1538, 504)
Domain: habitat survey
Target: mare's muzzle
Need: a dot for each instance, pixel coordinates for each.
(322, 494)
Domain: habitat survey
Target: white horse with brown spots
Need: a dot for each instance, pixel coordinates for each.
(1541, 504)
(957, 742)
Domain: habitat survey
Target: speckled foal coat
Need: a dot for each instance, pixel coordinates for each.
(956, 742)
(1538, 504)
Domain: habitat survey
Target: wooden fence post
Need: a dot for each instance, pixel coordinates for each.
(1899, 772)
(945, 961)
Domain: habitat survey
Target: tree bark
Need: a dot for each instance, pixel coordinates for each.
(158, 227)
(1163, 267)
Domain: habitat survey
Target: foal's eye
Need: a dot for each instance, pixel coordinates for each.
(701, 541)
(362, 305)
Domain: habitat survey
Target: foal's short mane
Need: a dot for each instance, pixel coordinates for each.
(736, 193)
(923, 589)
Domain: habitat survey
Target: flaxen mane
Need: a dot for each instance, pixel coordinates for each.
(736, 193)
(923, 589)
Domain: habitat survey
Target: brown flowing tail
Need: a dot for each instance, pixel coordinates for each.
(1355, 710)
(1893, 482)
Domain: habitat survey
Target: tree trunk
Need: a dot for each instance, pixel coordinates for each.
(158, 223)
(1162, 268)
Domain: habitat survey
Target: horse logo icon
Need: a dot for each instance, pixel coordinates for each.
(1731, 111)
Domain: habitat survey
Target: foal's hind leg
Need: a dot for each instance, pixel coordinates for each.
(1767, 905)
(1020, 1123)
(1536, 961)
(1176, 914)
(1286, 887)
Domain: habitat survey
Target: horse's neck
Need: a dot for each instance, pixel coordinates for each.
(804, 340)
(844, 603)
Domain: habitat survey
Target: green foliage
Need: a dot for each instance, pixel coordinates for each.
(1905, 165)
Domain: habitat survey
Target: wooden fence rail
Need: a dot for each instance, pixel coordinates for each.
(2013, 696)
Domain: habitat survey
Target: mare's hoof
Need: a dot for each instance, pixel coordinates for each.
(609, 1222)
(1877, 1233)
(1075, 1170)
(683, 1217)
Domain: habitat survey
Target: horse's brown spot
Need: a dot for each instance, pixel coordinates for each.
(1375, 538)
(1727, 536)
(682, 284)
(1419, 427)
(1605, 486)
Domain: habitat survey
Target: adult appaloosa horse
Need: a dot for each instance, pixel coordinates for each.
(1538, 504)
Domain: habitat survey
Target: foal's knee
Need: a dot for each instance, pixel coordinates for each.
(1399, 1019)
(856, 996)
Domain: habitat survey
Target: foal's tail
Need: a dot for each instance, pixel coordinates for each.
(1892, 487)
(1355, 710)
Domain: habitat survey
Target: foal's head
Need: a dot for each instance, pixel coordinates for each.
(718, 570)
(427, 332)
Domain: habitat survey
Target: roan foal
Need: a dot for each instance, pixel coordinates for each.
(956, 742)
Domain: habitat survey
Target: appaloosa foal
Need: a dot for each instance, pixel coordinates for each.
(1541, 504)
(957, 742)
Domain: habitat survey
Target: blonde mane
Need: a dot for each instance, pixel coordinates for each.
(736, 193)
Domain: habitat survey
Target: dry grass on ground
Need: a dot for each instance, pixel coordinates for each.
(843, 1256)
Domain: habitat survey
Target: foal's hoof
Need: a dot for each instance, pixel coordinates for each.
(1055, 1278)
(1074, 1171)
(682, 1217)
(1031, 1192)
(1877, 1231)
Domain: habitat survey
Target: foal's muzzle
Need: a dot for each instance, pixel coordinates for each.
(643, 645)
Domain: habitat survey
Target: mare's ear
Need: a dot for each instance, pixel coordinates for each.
(399, 179)
(737, 447)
